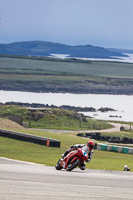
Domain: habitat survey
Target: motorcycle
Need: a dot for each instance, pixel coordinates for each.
(72, 160)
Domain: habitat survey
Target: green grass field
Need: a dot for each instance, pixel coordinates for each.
(69, 75)
(93, 68)
(49, 156)
(54, 69)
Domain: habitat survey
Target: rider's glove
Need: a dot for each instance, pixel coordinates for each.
(72, 146)
(62, 155)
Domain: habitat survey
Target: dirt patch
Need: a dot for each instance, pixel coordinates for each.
(8, 124)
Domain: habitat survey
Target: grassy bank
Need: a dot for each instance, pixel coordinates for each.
(49, 156)
(52, 118)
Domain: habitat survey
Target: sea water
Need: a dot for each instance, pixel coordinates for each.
(123, 104)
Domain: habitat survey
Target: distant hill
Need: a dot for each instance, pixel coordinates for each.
(42, 48)
(121, 50)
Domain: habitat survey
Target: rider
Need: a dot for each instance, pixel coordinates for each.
(88, 148)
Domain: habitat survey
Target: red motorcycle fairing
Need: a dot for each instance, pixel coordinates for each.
(76, 154)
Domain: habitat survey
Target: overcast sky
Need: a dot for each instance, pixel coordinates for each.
(107, 23)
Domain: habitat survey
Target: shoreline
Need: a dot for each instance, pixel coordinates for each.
(73, 91)
(120, 103)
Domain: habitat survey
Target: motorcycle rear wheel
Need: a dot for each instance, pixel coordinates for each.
(73, 165)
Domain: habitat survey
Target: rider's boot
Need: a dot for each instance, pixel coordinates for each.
(82, 166)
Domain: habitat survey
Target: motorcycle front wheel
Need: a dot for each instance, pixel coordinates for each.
(57, 166)
(73, 165)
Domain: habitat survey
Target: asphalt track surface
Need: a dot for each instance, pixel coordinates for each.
(116, 127)
(26, 181)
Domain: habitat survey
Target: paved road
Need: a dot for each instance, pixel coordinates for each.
(21, 180)
(116, 127)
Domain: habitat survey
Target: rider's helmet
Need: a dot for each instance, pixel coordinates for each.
(91, 145)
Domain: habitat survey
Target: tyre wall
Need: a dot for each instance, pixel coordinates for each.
(30, 138)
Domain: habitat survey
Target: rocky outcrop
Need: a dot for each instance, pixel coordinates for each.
(105, 109)
(66, 107)
(78, 88)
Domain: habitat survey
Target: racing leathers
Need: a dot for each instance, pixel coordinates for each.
(85, 148)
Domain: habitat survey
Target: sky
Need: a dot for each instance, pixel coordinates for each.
(106, 23)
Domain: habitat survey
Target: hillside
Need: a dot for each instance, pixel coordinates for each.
(43, 48)
(49, 118)
(127, 51)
